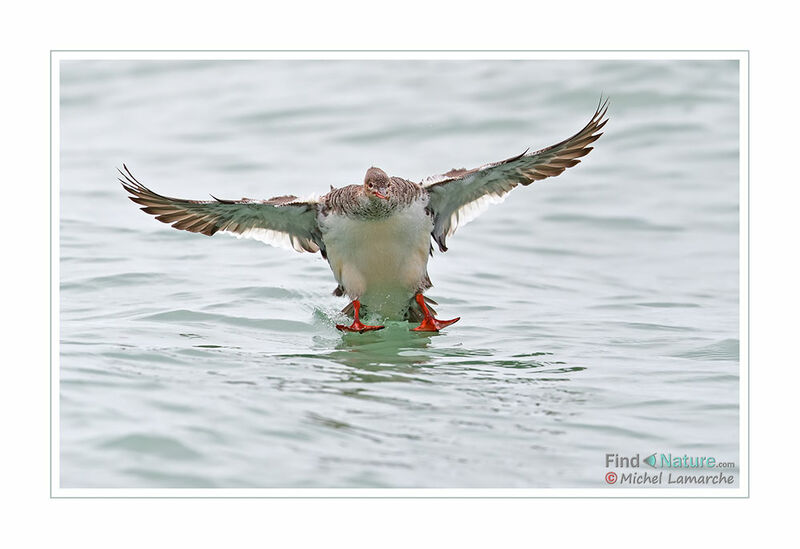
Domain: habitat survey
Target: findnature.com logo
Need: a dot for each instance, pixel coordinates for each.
(668, 463)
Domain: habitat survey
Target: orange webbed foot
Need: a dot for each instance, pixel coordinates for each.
(429, 323)
(357, 325)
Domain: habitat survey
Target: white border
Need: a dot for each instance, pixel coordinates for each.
(55, 274)
(599, 492)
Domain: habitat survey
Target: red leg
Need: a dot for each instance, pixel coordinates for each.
(357, 326)
(430, 324)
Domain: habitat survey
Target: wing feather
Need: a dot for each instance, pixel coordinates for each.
(460, 195)
(282, 221)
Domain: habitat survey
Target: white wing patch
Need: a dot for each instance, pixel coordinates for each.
(276, 238)
(470, 211)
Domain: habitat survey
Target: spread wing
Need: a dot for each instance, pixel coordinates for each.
(281, 221)
(459, 196)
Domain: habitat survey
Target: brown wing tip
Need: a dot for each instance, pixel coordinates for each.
(603, 104)
(132, 185)
(222, 200)
(599, 117)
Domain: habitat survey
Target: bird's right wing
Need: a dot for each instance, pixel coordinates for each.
(282, 221)
(458, 196)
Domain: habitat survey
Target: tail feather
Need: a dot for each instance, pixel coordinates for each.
(414, 312)
(348, 310)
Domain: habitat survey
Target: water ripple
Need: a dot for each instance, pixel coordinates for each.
(599, 309)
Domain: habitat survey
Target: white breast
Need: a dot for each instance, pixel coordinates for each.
(382, 261)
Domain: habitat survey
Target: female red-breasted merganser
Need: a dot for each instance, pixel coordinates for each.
(375, 236)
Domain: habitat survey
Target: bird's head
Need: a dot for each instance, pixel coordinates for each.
(377, 184)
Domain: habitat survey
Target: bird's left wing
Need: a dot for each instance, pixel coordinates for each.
(459, 196)
(282, 221)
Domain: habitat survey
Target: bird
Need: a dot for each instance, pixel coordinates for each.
(377, 237)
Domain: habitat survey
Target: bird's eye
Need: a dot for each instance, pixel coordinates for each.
(369, 185)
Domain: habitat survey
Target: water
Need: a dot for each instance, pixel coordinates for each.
(599, 309)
